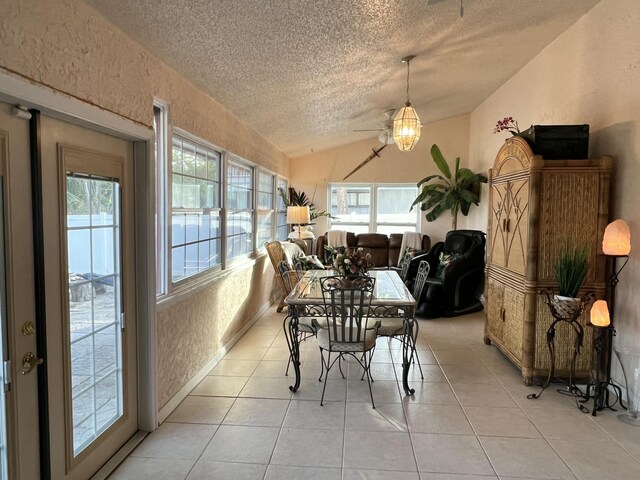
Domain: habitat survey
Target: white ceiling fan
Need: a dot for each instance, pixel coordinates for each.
(386, 129)
(433, 2)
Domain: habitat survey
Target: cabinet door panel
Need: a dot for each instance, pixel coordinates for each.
(499, 215)
(494, 315)
(512, 329)
(517, 194)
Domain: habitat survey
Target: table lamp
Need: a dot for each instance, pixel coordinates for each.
(298, 216)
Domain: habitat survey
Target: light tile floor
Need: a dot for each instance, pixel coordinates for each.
(469, 419)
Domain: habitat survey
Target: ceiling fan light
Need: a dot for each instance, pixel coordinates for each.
(406, 128)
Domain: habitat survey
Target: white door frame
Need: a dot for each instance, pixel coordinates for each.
(17, 90)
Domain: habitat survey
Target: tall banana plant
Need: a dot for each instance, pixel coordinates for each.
(454, 192)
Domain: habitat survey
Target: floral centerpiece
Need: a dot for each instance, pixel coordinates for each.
(353, 261)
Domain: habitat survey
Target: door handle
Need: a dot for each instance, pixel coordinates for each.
(29, 362)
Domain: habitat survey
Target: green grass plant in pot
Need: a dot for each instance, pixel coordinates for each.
(571, 270)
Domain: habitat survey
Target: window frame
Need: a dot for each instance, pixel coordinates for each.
(231, 158)
(259, 246)
(162, 138)
(373, 222)
(280, 178)
(164, 210)
(212, 270)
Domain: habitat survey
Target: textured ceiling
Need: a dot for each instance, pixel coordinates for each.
(305, 73)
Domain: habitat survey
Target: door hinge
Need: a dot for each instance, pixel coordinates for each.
(6, 374)
(20, 111)
(122, 321)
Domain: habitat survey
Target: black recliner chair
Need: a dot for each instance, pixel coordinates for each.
(453, 289)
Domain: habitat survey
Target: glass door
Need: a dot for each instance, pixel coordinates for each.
(95, 305)
(90, 279)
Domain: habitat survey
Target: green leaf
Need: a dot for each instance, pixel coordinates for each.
(420, 198)
(457, 168)
(439, 160)
(450, 199)
(434, 199)
(469, 196)
(435, 213)
(464, 207)
(431, 177)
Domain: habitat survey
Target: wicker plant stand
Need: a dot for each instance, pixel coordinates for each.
(560, 316)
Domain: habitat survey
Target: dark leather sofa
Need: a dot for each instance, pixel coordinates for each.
(384, 249)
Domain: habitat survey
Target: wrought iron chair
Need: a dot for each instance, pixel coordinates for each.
(394, 327)
(306, 326)
(347, 302)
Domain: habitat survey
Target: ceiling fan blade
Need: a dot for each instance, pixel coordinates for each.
(389, 113)
(376, 153)
(386, 137)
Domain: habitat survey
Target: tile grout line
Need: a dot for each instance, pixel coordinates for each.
(404, 412)
(527, 417)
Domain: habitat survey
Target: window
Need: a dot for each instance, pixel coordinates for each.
(195, 208)
(373, 208)
(351, 205)
(239, 209)
(265, 210)
(160, 128)
(281, 222)
(392, 209)
(212, 208)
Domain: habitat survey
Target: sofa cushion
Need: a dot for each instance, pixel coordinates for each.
(378, 245)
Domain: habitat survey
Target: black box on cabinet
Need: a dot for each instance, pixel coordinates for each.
(558, 142)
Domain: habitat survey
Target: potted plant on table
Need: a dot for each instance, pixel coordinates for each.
(571, 270)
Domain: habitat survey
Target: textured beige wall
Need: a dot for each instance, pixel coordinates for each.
(316, 171)
(196, 329)
(69, 47)
(589, 74)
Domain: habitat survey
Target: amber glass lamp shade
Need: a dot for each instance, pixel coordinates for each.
(617, 239)
(406, 128)
(600, 314)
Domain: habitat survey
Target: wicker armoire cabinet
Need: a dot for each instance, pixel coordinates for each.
(536, 206)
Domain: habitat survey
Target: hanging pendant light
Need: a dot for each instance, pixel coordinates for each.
(406, 125)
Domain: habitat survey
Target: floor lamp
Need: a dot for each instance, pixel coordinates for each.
(615, 244)
(298, 216)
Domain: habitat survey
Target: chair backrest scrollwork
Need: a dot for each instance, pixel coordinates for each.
(347, 301)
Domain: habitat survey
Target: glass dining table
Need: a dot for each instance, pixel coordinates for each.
(391, 299)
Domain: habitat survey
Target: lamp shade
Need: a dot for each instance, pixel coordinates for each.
(406, 128)
(617, 239)
(298, 215)
(600, 314)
